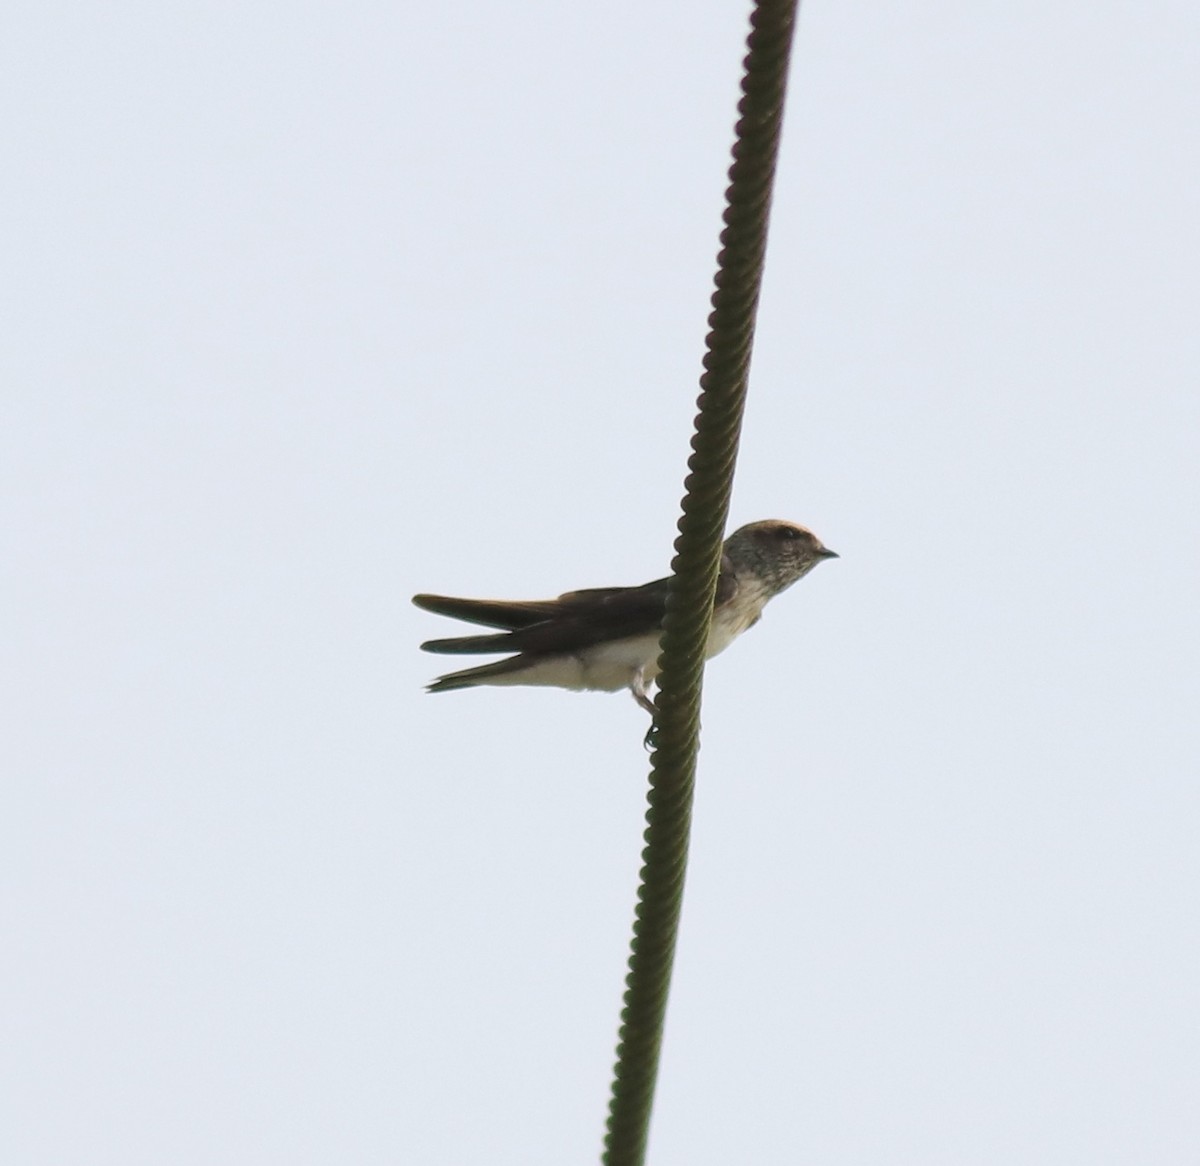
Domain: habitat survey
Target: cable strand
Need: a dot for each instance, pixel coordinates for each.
(705, 510)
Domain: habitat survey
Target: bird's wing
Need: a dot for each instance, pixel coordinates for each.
(492, 613)
(570, 623)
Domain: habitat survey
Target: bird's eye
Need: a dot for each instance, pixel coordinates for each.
(788, 532)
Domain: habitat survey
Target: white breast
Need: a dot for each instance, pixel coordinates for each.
(734, 618)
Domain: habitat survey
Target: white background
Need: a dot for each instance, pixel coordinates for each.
(309, 307)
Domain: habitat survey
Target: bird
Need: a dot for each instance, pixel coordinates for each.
(607, 639)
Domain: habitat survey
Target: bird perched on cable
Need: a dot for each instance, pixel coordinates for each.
(607, 638)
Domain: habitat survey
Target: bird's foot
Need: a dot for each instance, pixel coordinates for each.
(638, 687)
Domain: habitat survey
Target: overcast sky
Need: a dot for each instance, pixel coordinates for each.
(311, 307)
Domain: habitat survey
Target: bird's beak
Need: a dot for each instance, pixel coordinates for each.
(826, 553)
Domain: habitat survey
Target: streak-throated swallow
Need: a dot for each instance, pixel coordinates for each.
(607, 638)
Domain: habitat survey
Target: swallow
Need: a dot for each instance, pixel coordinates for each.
(606, 639)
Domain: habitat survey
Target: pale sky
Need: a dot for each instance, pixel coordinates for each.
(311, 307)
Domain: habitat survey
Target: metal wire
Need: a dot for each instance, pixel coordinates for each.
(695, 567)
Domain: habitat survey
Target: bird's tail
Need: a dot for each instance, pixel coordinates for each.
(470, 677)
(493, 613)
(470, 645)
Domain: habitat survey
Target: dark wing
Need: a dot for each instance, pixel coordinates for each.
(570, 623)
(492, 613)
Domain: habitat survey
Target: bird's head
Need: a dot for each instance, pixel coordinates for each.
(776, 552)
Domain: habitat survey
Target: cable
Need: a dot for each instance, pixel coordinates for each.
(693, 585)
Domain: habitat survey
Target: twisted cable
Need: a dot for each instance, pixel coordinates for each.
(705, 510)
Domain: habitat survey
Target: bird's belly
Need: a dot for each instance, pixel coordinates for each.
(608, 667)
(612, 666)
(601, 668)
